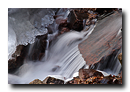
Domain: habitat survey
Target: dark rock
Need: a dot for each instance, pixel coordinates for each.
(64, 30)
(41, 56)
(86, 73)
(17, 52)
(111, 80)
(96, 80)
(105, 10)
(76, 16)
(17, 61)
(84, 13)
(52, 80)
(37, 48)
(108, 62)
(89, 76)
(47, 80)
(64, 25)
(72, 18)
(78, 25)
(50, 29)
(93, 77)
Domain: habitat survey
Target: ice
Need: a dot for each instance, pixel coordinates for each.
(25, 24)
(11, 42)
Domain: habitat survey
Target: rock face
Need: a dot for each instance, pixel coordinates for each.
(104, 39)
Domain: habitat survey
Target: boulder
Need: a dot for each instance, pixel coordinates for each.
(104, 39)
(47, 80)
(17, 58)
(36, 81)
(86, 73)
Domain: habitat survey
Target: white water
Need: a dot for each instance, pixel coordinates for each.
(46, 51)
(62, 58)
(62, 61)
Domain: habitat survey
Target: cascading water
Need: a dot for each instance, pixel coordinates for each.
(62, 61)
(111, 65)
(46, 51)
(62, 57)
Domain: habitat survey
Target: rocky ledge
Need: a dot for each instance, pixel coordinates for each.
(86, 76)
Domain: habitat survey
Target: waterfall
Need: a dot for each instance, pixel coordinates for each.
(111, 65)
(62, 58)
(62, 61)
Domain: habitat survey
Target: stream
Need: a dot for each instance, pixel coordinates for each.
(62, 58)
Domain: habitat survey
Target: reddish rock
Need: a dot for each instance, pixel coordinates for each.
(103, 39)
(90, 76)
(36, 81)
(47, 80)
(86, 73)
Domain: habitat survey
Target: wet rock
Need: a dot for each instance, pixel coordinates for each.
(39, 47)
(50, 31)
(103, 39)
(86, 73)
(91, 80)
(52, 80)
(111, 80)
(18, 58)
(36, 81)
(78, 25)
(64, 27)
(102, 11)
(96, 80)
(120, 58)
(84, 13)
(77, 16)
(47, 80)
(94, 77)
(108, 63)
(17, 52)
(87, 76)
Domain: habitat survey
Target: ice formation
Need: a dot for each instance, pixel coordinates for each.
(11, 42)
(25, 24)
